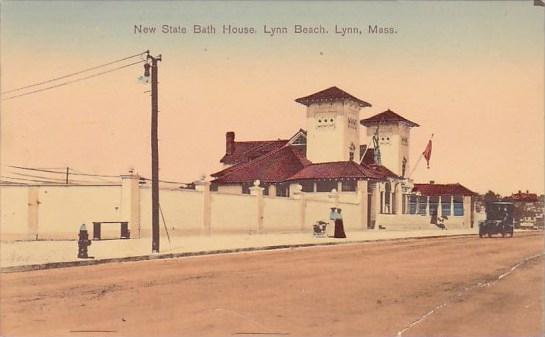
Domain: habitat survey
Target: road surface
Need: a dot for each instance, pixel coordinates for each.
(433, 287)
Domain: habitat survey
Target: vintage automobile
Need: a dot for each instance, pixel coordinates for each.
(499, 219)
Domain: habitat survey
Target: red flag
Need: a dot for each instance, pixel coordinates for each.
(427, 153)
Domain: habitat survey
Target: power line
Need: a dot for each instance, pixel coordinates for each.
(72, 74)
(34, 180)
(64, 172)
(61, 180)
(35, 169)
(73, 81)
(72, 172)
(165, 181)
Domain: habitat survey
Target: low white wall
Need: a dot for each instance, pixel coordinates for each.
(13, 211)
(181, 211)
(233, 213)
(61, 211)
(281, 215)
(56, 212)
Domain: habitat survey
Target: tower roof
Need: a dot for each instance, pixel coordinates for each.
(385, 117)
(329, 95)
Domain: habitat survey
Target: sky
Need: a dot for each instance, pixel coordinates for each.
(471, 73)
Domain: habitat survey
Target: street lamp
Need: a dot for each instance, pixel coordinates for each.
(154, 148)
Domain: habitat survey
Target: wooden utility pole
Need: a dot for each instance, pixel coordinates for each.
(67, 173)
(154, 152)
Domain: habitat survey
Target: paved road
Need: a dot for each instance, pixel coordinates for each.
(432, 287)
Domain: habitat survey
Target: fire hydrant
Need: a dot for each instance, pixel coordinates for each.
(83, 242)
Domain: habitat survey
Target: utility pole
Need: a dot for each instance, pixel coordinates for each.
(67, 172)
(154, 150)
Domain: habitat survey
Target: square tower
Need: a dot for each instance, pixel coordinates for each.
(393, 134)
(332, 125)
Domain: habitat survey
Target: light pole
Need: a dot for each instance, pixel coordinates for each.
(154, 149)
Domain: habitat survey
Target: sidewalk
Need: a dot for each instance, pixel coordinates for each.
(30, 255)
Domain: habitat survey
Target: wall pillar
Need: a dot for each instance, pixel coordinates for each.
(130, 203)
(439, 207)
(375, 205)
(302, 211)
(428, 205)
(272, 191)
(258, 193)
(467, 211)
(362, 186)
(33, 203)
(204, 187)
(296, 193)
(334, 196)
(398, 205)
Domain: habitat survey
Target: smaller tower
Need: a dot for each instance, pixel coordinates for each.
(392, 134)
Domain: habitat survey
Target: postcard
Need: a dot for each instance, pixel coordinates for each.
(303, 168)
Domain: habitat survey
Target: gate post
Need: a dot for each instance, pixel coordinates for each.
(362, 197)
(258, 192)
(130, 203)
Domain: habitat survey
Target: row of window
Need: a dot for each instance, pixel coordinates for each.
(418, 205)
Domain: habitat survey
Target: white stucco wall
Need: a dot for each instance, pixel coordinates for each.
(182, 211)
(233, 213)
(13, 210)
(281, 215)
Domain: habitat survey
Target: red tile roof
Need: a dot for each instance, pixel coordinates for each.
(335, 170)
(273, 167)
(246, 151)
(523, 197)
(386, 116)
(382, 171)
(442, 189)
(328, 95)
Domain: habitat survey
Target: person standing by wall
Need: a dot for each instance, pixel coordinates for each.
(339, 225)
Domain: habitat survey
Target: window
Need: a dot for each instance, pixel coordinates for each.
(282, 190)
(458, 203)
(413, 201)
(422, 203)
(301, 140)
(445, 205)
(246, 188)
(308, 186)
(326, 186)
(349, 186)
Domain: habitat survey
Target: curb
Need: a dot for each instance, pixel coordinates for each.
(67, 264)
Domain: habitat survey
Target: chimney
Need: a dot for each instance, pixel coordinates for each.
(229, 143)
(432, 181)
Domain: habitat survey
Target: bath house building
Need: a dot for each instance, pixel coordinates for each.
(329, 159)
